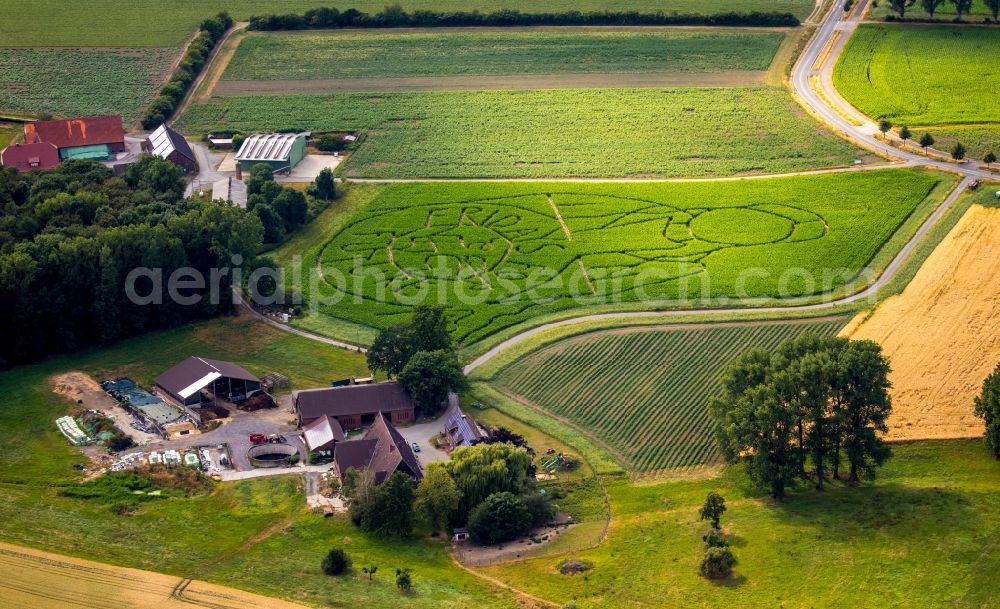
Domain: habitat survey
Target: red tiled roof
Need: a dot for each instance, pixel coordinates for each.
(86, 131)
(30, 157)
(383, 449)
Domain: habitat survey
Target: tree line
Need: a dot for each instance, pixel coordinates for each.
(962, 7)
(70, 236)
(814, 400)
(163, 106)
(395, 16)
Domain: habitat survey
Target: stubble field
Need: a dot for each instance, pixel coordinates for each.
(941, 334)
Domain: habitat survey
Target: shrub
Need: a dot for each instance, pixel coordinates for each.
(336, 562)
(718, 563)
(574, 566)
(501, 517)
(990, 158)
(958, 152)
(403, 580)
(124, 508)
(715, 539)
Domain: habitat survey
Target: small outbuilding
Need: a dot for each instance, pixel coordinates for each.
(30, 157)
(232, 190)
(322, 434)
(282, 151)
(460, 430)
(89, 137)
(460, 534)
(187, 383)
(167, 144)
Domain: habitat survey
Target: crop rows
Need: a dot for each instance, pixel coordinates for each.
(167, 23)
(388, 54)
(80, 82)
(645, 392)
(548, 133)
(918, 75)
(495, 254)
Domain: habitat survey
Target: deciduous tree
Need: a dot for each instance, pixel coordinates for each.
(438, 497)
(501, 517)
(900, 6)
(962, 7)
(429, 376)
(931, 6)
(713, 509)
(988, 409)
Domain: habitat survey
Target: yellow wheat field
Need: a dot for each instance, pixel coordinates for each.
(40, 580)
(942, 334)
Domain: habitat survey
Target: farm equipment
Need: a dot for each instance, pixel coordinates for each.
(258, 438)
(275, 439)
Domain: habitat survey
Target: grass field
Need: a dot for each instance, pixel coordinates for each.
(644, 391)
(919, 75)
(500, 254)
(8, 131)
(978, 141)
(557, 133)
(140, 23)
(374, 54)
(80, 82)
(924, 535)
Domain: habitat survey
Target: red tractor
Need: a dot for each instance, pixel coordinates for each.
(258, 438)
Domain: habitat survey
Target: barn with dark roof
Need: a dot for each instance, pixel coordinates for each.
(167, 144)
(355, 405)
(199, 379)
(383, 450)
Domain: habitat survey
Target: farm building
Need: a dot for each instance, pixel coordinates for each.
(460, 430)
(30, 157)
(90, 137)
(383, 450)
(197, 380)
(170, 145)
(230, 189)
(322, 433)
(355, 405)
(281, 151)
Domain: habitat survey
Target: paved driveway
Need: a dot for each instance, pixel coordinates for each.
(309, 167)
(421, 433)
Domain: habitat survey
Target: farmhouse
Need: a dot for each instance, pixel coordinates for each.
(187, 383)
(322, 434)
(383, 450)
(460, 430)
(281, 151)
(170, 145)
(90, 137)
(355, 405)
(30, 157)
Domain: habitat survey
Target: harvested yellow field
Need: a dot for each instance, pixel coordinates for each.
(40, 580)
(942, 334)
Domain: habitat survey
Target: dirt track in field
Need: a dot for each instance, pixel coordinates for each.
(32, 578)
(230, 88)
(942, 333)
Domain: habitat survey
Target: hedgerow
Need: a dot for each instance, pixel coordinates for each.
(209, 33)
(395, 16)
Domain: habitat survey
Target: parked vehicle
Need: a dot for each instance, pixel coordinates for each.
(416, 447)
(275, 439)
(258, 438)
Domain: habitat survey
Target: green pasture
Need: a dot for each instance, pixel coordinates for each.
(645, 391)
(925, 534)
(496, 255)
(919, 75)
(167, 23)
(978, 141)
(81, 82)
(551, 133)
(374, 54)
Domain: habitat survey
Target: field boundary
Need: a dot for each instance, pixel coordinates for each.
(515, 82)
